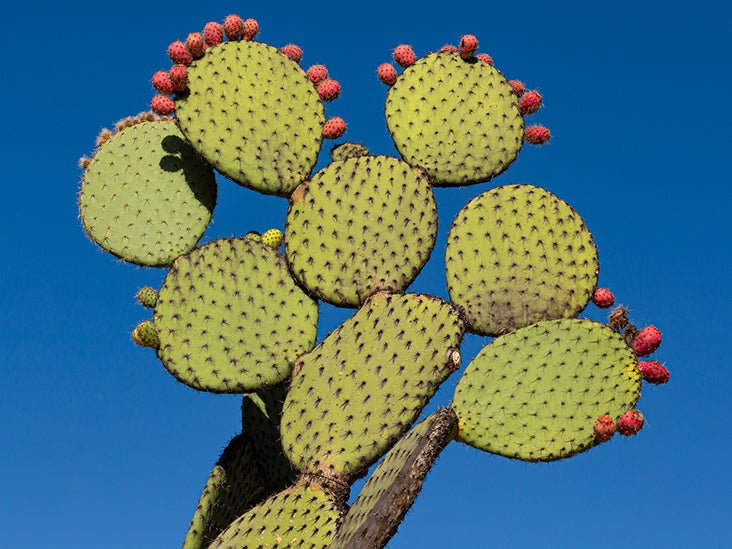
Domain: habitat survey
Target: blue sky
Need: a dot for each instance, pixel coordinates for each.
(102, 448)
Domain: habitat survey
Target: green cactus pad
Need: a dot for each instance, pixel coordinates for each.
(146, 196)
(361, 225)
(535, 394)
(394, 485)
(347, 150)
(254, 115)
(301, 516)
(359, 390)
(456, 119)
(516, 255)
(231, 318)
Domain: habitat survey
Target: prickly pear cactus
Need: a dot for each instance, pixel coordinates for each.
(237, 315)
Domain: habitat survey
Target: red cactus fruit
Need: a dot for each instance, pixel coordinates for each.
(293, 52)
(162, 105)
(162, 83)
(450, 48)
(468, 45)
(179, 53)
(251, 28)
(647, 341)
(603, 298)
(530, 102)
(329, 89)
(179, 77)
(537, 135)
(387, 74)
(487, 59)
(604, 428)
(233, 27)
(630, 423)
(518, 87)
(654, 372)
(317, 73)
(404, 55)
(334, 128)
(195, 44)
(213, 33)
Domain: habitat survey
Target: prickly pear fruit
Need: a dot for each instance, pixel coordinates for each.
(146, 335)
(604, 428)
(537, 135)
(530, 102)
(179, 77)
(293, 52)
(272, 238)
(334, 128)
(654, 372)
(213, 33)
(162, 105)
(518, 87)
(147, 296)
(179, 53)
(450, 48)
(233, 27)
(251, 28)
(162, 83)
(647, 341)
(387, 74)
(603, 298)
(630, 423)
(329, 89)
(195, 44)
(468, 45)
(487, 59)
(317, 73)
(404, 55)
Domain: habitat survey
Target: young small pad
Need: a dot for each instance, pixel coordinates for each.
(535, 394)
(516, 255)
(231, 319)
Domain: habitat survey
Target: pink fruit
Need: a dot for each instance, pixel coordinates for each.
(213, 33)
(292, 51)
(404, 55)
(233, 27)
(647, 341)
(161, 82)
(530, 102)
(179, 77)
(251, 28)
(162, 104)
(603, 298)
(317, 73)
(518, 87)
(334, 128)
(387, 74)
(450, 48)
(654, 372)
(179, 53)
(195, 44)
(630, 423)
(604, 428)
(468, 45)
(329, 89)
(487, 59)
(537, 135)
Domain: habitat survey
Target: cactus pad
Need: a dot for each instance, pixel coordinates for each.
(231, 319)
(146, 196)
(516, 255)
(357, 392)
(535, 394)
(456, 119)
(254, 115)
(301, 516)
(361, 225)
(392, 488)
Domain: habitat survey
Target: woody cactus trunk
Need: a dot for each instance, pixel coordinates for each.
(240, 315)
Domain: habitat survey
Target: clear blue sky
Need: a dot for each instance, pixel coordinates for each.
(102, 448)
